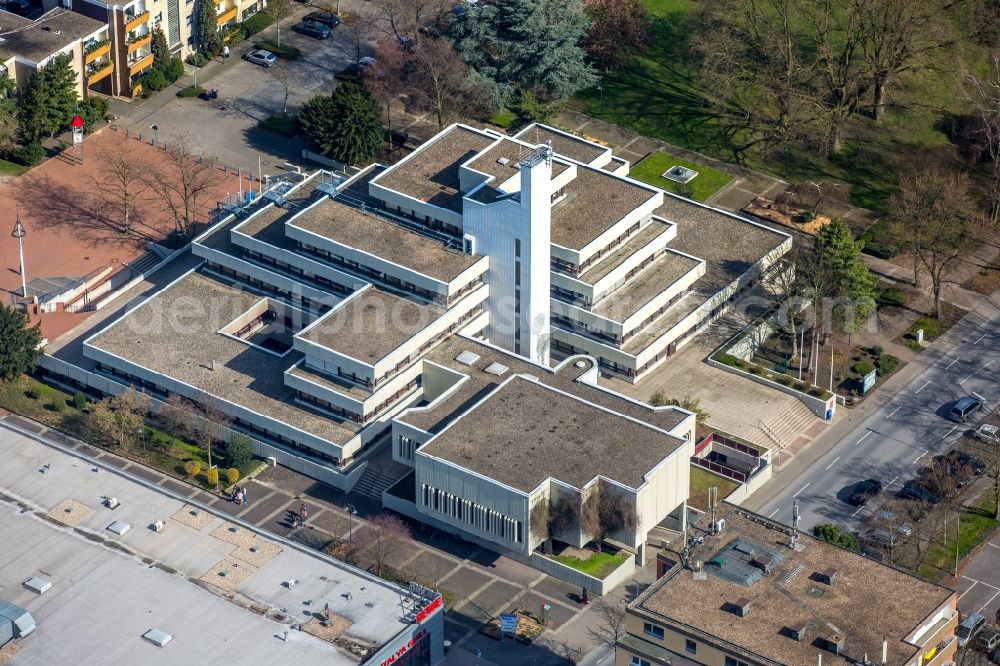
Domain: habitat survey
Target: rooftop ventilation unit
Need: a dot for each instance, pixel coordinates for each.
(826, 576)
(503, 161)
(37, 585)
(797, 631)
(467, 358)
(763, 562)
(834, 643)
(157, 637)
(495, 369)
(119, 527)
(741, 606)
(744, 547)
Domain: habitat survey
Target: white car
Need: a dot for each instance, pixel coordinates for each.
(261, 57)
(989, 434)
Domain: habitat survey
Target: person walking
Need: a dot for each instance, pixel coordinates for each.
(243, 491)
(225, 52)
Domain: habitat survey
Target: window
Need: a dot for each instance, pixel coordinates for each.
(690, 646)
(636, 661)
(190, 19)
(732, 661)
(652, 630)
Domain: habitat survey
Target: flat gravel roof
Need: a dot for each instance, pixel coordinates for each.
(667, 269)
(572, 147)
(526, 431)
(595, 201)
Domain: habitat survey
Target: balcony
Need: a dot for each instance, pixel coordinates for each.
(140, 63)
(99, 71)
(941, 654)
(135, 43)
(96, 50)
(227, 16)
(133, 22)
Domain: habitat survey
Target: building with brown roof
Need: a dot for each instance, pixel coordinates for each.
(754, 592)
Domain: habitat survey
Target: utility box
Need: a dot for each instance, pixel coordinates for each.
(15, 622)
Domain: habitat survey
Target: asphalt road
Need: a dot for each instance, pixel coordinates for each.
(899, 437)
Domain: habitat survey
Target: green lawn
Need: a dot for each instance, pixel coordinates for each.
(705, 184)
(975, 525)
(661, 95)
(11, 169)
(701, 481)
(599, 565)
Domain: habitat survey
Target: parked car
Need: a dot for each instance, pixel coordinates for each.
(261, 57)
(969, 627)
(367, 61)
(894, 523)
(964, 408)
(328, 19)
(864, 491)
(956, 457)
(880, 537)
(312, 29)
(406, 43)
(988, 433)
(913, 489)
(988, 639)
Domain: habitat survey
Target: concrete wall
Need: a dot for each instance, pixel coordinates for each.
(817, 406)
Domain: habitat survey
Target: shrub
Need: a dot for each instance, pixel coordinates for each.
(284, 125)
(729, 360)
(784, 380)
(932, 327)
(807, 216)
(239, 451)
(255, 24)
(34, 392)
(29, 154)
(503, 119)
(913, 344)
(192, 467)
(212, 476)
(862, 368)
(232, 475)
(190, 91)
(79, 400)
(835, 534)
(891, 296)
(286, 51)
(152, 81)
(58, 404)
(754, 370)
(173, 70)
(93, 110)
(887, 364)
(876, 352)
(197, 59)
(800, 386)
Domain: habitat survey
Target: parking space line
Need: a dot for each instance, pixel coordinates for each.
(924, 386)
(891, 413)
(981, 583)
(801, 489)
(980, 338)
(773, 512)
(892, 482)
(863, 437)
(833, 463)
(954, 362)
(993, 544)
(974, 583)
(917, 459)
(990, 601)
(950, 431)
(860, 509)
(974, 373)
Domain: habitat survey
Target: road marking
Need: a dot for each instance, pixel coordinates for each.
(801, 489)
(950, 431)
(953, 362)
(989, 602)
(993, 544)
(893, 412)
(974, 373)
(774, 512)
(602, 659)
(863, 437)
(860, 509)
(974, 583)
(915, 460)
(833, 463)
(924, 386)
(893, 481)
(981, 582)
(981, 338)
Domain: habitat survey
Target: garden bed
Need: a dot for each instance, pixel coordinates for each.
(794, 218)
(598, 565)
(700, 188)
(933, 328)
(529, 627)
(701, 481)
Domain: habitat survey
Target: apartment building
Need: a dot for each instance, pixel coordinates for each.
(130, 28)
(752, 592)
(28, 45)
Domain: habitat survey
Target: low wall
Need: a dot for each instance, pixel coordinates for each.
(540, 562)
(817, 406)
(293, 460)
(748, 488)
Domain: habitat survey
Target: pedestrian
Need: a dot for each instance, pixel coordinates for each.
(303, 512)
(225, 52)
(243, 491)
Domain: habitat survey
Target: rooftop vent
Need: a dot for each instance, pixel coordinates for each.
(834, 643)
(119, 527)
(744, 547)
(826, 576)
(763, 562)
(797, 631)
(740, 607)
(37, 585)
(467, 358)
(503, 161)
(157, 637)
(496, 369)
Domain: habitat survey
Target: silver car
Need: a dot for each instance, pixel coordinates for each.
(262, 58)
(988, 433)
(893, 521)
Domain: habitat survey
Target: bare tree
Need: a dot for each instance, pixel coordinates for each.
(810, 196)
(120, 181)
(183, 182)
(404, 18)
(386, 81)
(609, 626)
(277, 10)
(360, 24)
(934, 216)
(605, 512)
(387, 533)
(283, 74)
(539, 518)
(984, 95)
(617, 33)
(121, 417)
(208, 421)
(440, 84)
(174, 416)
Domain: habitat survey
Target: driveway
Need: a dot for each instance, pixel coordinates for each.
(979, 585)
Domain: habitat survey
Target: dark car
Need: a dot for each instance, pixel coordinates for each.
(312, 29)
(328, 19)
(864, 491)
(406, 44)
(963, 409)
(963, 459)
(913, 489)
(21, 7)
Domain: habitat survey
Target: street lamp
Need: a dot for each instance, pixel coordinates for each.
(19, 234)
(351, 512)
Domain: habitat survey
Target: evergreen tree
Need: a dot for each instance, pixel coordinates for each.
(49, 100)
(8, 115)
(317, 121)
(160, 49)
(357, 131)
(840, 273)
(527, 45)
(18, 343)
(207, 29)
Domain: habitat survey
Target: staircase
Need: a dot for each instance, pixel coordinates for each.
(374, 481)
(144, 263)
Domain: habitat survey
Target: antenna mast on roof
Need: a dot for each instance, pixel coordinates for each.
(795, 524)
(713, 493)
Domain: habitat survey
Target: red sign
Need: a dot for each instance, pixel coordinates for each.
(77, 122)
(403, 649)
(426, 611)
